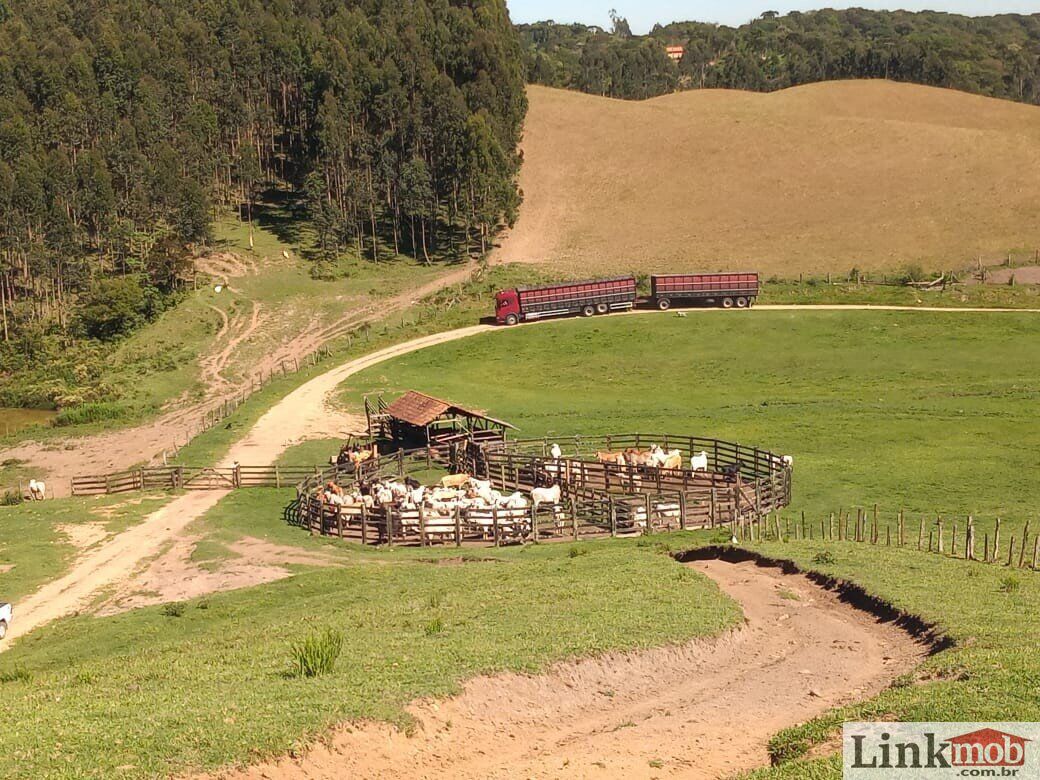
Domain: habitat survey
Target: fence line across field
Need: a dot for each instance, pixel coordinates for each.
(953, 537)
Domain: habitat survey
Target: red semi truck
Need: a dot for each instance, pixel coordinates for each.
(596, 296)
(725, 290)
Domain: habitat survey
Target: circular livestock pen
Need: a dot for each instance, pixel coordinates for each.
(604, 490)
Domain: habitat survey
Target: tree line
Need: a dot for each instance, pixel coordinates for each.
(125, 125)
(997, 56)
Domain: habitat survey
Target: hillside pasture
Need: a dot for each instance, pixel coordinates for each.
(825, 177)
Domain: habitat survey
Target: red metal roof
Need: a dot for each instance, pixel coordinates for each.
(419, 409)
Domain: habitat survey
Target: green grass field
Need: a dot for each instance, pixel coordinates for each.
(929, 412)
(932, 412)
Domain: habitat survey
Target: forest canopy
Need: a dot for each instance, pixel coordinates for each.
(997, 56)
(126, 124)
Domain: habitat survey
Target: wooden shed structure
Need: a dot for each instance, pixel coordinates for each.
(418, 420)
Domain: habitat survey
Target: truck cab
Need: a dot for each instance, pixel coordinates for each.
(5, 618)
(507, 307)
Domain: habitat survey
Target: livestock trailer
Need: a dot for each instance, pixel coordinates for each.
(725, 290)
(596, 296)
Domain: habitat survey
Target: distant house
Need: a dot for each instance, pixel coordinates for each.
(675, 53)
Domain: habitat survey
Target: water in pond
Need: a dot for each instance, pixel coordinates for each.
(12, 420)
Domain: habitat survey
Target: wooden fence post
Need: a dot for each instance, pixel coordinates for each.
(494, 523)
(458, 526)
(339, 521)
(996, 541)
(534, 523)
(920, 536)
(1011, 551)
(953, 540)
(574, 517)
(969, 540)
(612, 509)
(1036, 550)
(1022, 548)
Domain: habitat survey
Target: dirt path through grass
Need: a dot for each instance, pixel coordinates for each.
(59, 460)
(303, 414)
(701, 710)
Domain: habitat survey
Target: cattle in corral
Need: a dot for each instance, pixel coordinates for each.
(516, 501)
(455, 480)
(731, 471)
(638, 457)
(614, 458)
(788, 461)
(37, 490)
(672, 461)
(699, 462)
(479, 485)
(555, 452)
(549, 495)
(412, 483)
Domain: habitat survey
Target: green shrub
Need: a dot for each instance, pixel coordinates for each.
(576, 551)
(16, 675)
(435, 626)
(316, 654)
(1009, 584)
(11, 498)
(824, 558)
(174, 609)
(89, 413)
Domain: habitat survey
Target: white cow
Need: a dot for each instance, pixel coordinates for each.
(555, 452)
(549, 495)
(37, 490)
(699, 462)
(788, 461)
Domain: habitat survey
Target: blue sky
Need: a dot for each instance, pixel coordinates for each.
(642, 14)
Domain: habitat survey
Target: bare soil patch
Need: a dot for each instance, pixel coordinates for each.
(83, 535)
(174, 576)
(703, 709)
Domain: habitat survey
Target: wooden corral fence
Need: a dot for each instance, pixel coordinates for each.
(189, 478)
(597, 499)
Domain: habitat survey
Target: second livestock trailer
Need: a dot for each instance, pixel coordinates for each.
(725, 290)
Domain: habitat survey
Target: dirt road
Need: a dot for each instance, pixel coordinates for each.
(702, 710)
(303, 414)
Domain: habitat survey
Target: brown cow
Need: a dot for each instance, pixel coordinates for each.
(615, 458)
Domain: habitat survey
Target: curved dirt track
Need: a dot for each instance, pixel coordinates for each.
(302, 414)
(702, 710)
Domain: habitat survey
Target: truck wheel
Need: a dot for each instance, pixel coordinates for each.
(602, 308)
(588, 311)
(3, 629)
(512, 319)
(663, 304)
(727, 303)
(742, 302)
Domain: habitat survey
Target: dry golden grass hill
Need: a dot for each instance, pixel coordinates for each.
(825, 177)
